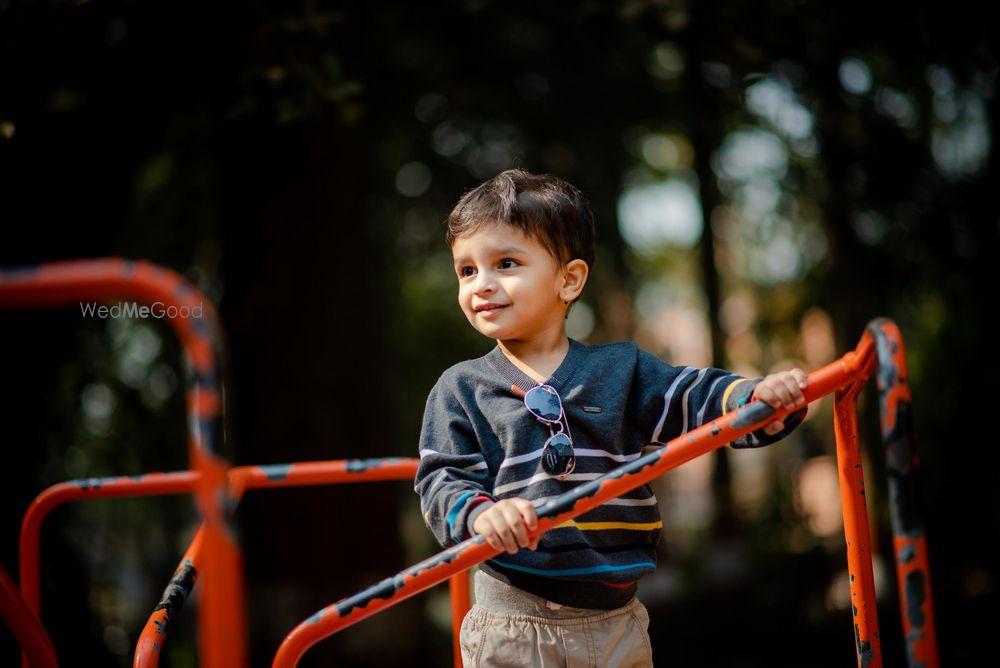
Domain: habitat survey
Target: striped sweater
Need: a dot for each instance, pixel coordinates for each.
(479, 444)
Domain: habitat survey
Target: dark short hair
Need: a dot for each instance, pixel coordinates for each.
(541, 206)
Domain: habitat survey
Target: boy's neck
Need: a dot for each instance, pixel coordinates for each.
(537, 358)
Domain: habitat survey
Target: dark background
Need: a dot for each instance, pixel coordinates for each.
(295, 161)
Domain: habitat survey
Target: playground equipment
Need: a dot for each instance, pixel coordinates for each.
(222, 622)
(222, 633)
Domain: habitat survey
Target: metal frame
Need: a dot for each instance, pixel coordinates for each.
(222, 613)
(244, 478)
(222, 621)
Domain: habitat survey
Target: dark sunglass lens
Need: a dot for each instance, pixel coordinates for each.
(557, 458)
(543, 403)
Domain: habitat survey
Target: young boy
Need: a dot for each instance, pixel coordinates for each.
(539, 414)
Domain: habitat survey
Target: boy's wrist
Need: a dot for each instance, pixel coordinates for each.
(482, 504)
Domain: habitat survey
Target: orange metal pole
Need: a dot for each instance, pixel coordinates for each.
(222, 622)
(157, 629)
(856, 531)
(461, 603)
(334, 471)
(35, 642)
(913, 573)
(587, 496)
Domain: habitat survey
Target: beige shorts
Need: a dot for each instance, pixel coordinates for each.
(510, 628)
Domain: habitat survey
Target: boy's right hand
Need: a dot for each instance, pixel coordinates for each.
(507, 523)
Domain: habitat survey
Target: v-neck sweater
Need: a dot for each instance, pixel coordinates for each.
(479, 444)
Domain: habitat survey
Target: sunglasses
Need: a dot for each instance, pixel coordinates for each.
(544, 403)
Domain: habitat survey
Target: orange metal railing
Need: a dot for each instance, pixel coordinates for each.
(222, 622)
(845, 377)
(222, 618)
(913, 571)
(854, 509)
(150, 484)
(243, 478)
(157, 629)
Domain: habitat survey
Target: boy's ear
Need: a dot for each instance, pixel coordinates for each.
(574, 278)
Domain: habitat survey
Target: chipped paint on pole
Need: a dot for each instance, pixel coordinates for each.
(856, 530)
(901, 462)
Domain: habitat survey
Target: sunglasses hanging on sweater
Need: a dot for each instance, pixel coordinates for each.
(544, 403)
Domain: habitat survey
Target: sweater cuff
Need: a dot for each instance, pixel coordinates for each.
(738, 395)
(475, 509)
(792, 420)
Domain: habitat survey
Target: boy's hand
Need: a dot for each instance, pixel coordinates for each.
(781, 390)
(506, 524)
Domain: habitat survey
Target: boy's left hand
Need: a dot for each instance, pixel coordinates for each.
(781, 390)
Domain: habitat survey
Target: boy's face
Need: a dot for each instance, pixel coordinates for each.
(509, 286)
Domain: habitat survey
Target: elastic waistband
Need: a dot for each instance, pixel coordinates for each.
(576, 593)
(494, 596)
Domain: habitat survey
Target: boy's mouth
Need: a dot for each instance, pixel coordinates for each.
(489, 308)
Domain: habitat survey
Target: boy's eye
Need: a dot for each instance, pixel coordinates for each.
(466, 271)
(507, 263)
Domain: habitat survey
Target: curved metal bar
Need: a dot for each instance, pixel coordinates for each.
(344, 471)
(222, 622)
(157, 629)
(585, 497)
(35, 642)
(179, 482)
(913, 573)
(176, 482)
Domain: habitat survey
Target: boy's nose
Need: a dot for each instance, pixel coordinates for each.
(485, 283)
